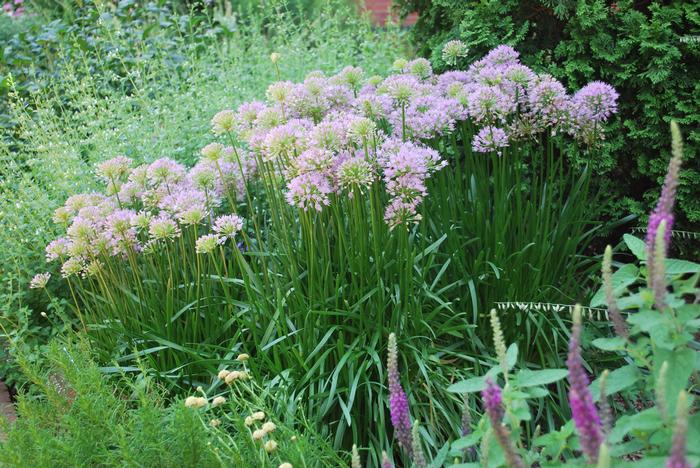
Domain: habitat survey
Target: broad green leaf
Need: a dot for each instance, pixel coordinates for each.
(621, 279)
(528, 378)
(618, 380)
(467, 441)
(609, 344)
(644, 421)
(679, 267)
(636, 246)
(537, 392)
(512, 355)
(646, 319)
(680, 366)
(475, 384)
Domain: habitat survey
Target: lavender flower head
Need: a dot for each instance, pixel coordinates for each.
(583, 409)
(40, 281)
(398, 402)
(490, 139)
(596, 101)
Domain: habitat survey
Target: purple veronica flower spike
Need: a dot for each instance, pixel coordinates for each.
(493, 404)
(398, 402)
(583, 409)
(664, 209)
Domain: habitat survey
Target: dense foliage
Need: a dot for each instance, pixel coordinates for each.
(216, 221)
(76, 417)
(649, 51)
(126, 95)
(655, 339)
(310, 209)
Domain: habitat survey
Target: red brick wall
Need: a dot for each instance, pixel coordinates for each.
(380, 11)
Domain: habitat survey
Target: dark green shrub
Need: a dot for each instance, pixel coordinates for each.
(649, 51)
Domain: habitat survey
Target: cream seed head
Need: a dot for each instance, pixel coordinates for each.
(258, 434)
(195, 402)
(400, 64)
(243, 357)
(275, 57)
(218, 401)
(269, 426)
(215, 423)
(213, 151)
(285, 465)
(223, 122)
(258, 415)
(453, 50)
(270, 446)
(249, 421)
(223, 373)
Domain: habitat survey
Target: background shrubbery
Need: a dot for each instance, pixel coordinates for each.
(649, 51)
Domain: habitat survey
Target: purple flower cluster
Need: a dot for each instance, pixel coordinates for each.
(13, 8)
(145, 205)
(306, 131)
(583, 410)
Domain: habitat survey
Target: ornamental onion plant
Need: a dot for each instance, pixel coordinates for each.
(337, 210)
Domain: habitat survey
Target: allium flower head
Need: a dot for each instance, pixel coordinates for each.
(351, 76)
(223, 122)
(279, 91)
(227, 226)
(401, 88)
(583, 409)
(207, 243)
(488, 104)
(165, 171)
(490, 139)
(502, 55)
(247, 113)
(115, 168)
(213, 151)
(72, 267)
(400, 64)
(420, 67)
(40, 281)
(270, 446)
(548, 101)
(355, 172)
(596, 101)
(361, 130)
(163, 228)
(61, 215)
(56, 249)
(309, 191)
(453, 50)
